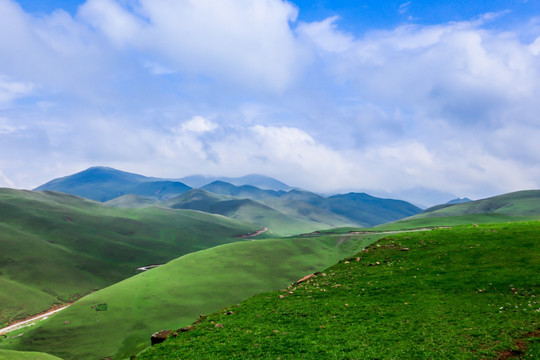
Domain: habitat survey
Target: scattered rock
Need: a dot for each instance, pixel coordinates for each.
(404, 249)
(159, 337)
(219, 325)
(357, 259)
(305, 278)
(67, 322)
(185, 329)
(281, 296)
(229, 313)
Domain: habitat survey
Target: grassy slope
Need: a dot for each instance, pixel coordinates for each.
(521, 203)
(463, 293)
(56, 247)
(131, 201)
(517, 206)
(175, 294)
(20, 355)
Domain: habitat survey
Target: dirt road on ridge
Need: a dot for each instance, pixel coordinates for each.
(30, 321)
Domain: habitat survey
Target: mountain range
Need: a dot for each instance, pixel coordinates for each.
(273, 204)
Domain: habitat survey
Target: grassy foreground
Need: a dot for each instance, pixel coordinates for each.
(24, 355)
(176, 293)
(470, 292)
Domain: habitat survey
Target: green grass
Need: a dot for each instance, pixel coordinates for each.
(463, 293)
(20, 355)
(57, 247)
(175, 294)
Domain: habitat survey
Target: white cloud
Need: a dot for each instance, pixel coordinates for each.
(10, 90)
(6, 127)
(404, 8)
(198, 124)
(4, 181)
(117, 24)
(248, 42)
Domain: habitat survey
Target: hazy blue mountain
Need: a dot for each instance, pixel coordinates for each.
(160, 190)
(103, 184)
(96, 183)
(352, 209)
(248, 191)
(261, 181)
(459, 201)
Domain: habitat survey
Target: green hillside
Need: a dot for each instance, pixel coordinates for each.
(176, 293)
(516, 206)
(521, 203)
(131, 201)
(248, 210)
(57, 247)
(470, 292)
(23, 355)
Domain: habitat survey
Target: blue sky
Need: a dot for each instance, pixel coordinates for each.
(403, 98)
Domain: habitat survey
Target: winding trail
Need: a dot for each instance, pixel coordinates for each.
(253, 234)
(31, 321)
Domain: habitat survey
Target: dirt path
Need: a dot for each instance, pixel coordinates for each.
(31, 321)
(389, 232)
(148, 267)
(253, 234)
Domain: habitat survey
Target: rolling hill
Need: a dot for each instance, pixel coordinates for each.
(254, 212)
(176, 293)
(515, 206)
(57, 247)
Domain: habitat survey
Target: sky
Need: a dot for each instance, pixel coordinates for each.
(432, 99)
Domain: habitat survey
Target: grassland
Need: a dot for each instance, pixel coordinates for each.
(24, 355)
(470, 292)
(176, 293)
(57, 247)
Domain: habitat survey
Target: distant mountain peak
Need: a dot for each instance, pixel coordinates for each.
(459, 201)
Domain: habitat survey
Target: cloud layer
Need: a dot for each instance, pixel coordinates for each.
(171, 88)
